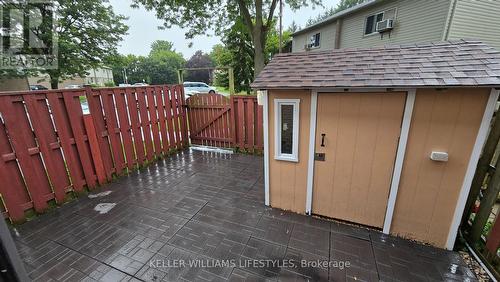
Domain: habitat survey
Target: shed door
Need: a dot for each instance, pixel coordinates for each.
(358, 134)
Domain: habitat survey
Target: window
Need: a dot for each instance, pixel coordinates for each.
(286, 129)
(371, 23)
(315, 40)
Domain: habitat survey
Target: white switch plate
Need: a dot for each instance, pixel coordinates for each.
(439, 156)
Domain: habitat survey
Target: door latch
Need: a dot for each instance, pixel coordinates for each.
(323, 140)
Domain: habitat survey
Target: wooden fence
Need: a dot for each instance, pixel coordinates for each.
(49, 147)
(481, 221)
(218, 121)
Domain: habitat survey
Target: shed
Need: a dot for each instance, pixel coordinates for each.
(387, 137)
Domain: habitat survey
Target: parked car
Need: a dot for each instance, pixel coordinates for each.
(73, 86)
(191, 88)
(38, 87)
(140, 84)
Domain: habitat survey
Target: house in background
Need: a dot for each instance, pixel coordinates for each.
(100, 76)
(13, 84)
(382, 22)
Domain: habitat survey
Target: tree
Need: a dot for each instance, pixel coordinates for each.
(342, 5)
(117, 63)
(203, 15)
(273, 41)
(88, 31)
(163, 62)
(199, 60)
(238, 53)
(159, 67)
(222, 57)
(294, 27)
(131, 65)
(161, 46)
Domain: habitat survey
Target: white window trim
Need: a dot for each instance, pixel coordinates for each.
(294, 156)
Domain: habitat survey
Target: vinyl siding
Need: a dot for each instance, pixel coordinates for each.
(327, 40)
(479, 19)
(416, 21)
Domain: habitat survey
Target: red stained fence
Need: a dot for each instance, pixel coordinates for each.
(219, 121)
(49, 148)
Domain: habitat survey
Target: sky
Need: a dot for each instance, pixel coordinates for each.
(143, 29)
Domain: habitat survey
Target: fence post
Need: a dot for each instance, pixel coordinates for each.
(183, 106)
(231, 81)
(482, 168)
(493, 240)
(233, 121)
(94, 148)
(489, 199)
(180, 76)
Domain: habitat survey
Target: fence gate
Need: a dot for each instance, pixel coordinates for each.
(218, 121)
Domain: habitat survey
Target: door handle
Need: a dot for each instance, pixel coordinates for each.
(323, 140)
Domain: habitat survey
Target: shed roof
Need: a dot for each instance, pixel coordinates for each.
(441, 64)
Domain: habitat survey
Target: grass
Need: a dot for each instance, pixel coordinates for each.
(225, 91)
(222, 90)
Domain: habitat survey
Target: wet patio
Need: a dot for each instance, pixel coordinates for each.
(200, 216)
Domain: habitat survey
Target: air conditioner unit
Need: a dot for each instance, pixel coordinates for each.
(385, 25)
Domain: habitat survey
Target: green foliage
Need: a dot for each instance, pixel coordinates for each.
(162, 65)
(159, 46)
(199, 60)
(238, 53)
(159, 67)
(88, 31)
(273, 43)
(110, 84)
(293, 27)
(200, 16)
(222, 57)
(342, 5)
(487, 227)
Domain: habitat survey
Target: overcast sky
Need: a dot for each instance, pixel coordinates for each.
(143, 29)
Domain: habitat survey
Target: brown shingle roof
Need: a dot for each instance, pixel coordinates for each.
(441, 64)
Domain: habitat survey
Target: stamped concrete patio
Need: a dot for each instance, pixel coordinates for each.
(207, 208)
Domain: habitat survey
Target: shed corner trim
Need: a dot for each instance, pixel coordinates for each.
(265, 113)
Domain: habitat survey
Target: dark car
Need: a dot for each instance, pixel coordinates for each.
(38, 87)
